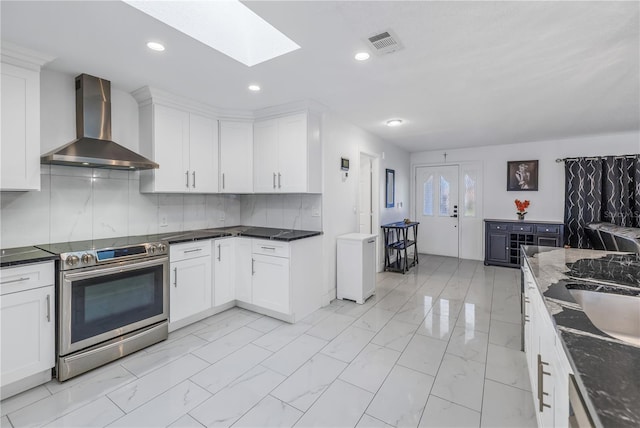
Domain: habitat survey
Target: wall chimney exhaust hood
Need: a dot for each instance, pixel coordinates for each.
(93, 147)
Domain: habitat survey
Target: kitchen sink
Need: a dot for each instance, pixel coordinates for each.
(616, 313)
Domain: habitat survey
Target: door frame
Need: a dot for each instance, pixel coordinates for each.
(375, 203)
(470, 246)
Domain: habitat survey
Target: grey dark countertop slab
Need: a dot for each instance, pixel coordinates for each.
(270, 233)
(605, 367)
(24, 255)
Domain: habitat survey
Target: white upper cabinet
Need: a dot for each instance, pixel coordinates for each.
(236, 156)
(20, 121)
(183, 141)
(287, 155)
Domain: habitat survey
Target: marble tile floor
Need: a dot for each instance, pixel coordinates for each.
(436, 347)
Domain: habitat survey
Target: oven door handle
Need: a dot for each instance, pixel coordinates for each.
(103, 271)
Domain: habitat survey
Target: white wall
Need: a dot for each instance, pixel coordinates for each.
(340, 196)
(547, 204)
(290, 211)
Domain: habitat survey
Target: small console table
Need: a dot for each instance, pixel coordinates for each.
(398, 237)
(503, 239)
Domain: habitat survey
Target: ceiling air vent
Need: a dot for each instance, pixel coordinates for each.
(385, 42)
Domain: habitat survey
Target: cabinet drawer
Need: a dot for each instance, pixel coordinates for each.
(189, 250)
(527, 228)
(554, 229)
(270, 248)
(498, 226)
(26, 277)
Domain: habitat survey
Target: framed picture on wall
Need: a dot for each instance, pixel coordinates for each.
(522, 175)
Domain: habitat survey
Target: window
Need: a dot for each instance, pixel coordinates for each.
(444, 196)
(427, 209)
(469, 194)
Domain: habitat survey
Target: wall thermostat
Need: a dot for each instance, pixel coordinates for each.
(344, 164)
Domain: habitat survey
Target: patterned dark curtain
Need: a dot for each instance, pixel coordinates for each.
(600, 189)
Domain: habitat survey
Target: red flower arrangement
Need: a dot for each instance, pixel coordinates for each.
(522, 206)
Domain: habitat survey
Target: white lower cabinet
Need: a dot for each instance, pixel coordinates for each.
(190, 279)
(275, 278)
(27, 312)
(243, 271)
(270, 284)
(285, 278)
(548, 365)
(223, 271)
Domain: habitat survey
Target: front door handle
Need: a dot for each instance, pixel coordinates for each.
(454, 216)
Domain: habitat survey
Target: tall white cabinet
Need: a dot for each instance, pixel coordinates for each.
(20, 119)
(27, 317)
(182, 139)
(287, 154)
(236, 156)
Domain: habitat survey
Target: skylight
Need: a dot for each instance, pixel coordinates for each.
(227, 26)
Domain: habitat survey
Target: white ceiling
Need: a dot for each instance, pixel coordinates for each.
(471, 73)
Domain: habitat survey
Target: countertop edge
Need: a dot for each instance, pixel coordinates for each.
(585, 391)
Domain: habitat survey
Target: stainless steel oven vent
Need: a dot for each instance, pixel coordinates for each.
(93, 147)
(385, 42)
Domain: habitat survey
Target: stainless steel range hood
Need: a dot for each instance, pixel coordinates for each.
(93, 148)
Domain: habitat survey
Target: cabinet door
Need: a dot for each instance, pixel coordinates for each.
(171, 149)
(20, 129)
(203, 154)
(236, 157)
(190, 287)
(265, 156)
(28, 345)
(292, 153)
(497, 247)
(223, 271)
(270, 284)
(243, 272)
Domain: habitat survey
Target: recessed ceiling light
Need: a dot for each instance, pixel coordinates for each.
(394, 122)
(254, 88)
(228, 26)
(362, 56)
(155, 46)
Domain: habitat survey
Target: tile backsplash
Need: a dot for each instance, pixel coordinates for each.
(83, 203)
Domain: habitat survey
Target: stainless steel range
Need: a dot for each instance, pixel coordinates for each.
(113, 299)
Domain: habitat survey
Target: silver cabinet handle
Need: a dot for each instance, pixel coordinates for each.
(253, 271)
(274, 180)
(223, 181)
(269, 248)
(279, 186)
(194, 179)
(15, 280)
(187, 174)
(48, 308)
(541, 393)
(195, 250)
(219, 252)
(371, 242)
(175, 277)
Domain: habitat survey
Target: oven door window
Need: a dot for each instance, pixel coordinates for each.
(102, 304)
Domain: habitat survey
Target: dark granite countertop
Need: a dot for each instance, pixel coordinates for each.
(606, 368)
(23, 255)
(276, 234)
